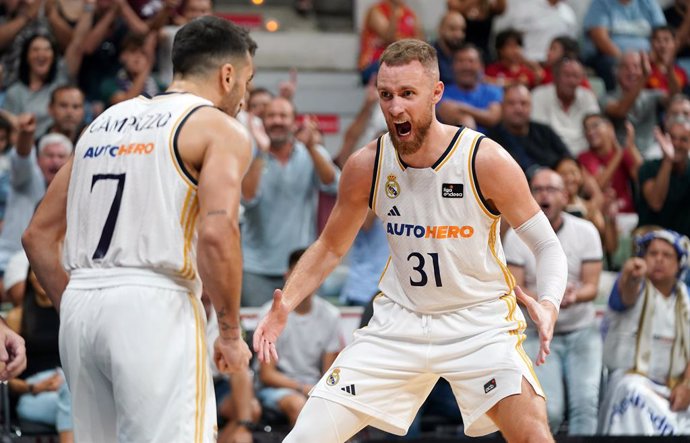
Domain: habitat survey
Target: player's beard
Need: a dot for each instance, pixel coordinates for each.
(419, 130)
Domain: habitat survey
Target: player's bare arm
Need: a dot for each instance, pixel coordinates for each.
(322, 257)
(505, 187)
(219, 150)
(43, 238)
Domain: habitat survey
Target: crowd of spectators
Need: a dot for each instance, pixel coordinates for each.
(603, 135)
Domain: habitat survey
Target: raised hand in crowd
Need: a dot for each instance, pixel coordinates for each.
(287, 88)
(309, 133)
(664, 141)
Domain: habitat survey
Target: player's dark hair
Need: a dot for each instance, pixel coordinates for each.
(208, 42)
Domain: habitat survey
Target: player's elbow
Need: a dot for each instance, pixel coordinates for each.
(30, 239)
(216, 238)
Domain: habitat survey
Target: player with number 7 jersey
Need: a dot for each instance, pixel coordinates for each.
(143, 214)
(132, 204)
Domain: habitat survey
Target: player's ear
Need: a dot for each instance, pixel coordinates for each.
(227, 76)
(438, 91)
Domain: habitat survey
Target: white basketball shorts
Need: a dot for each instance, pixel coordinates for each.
(136, 362)
(394, 362)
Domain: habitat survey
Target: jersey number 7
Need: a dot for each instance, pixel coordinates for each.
(109, 227)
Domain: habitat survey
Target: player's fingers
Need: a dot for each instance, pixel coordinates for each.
(274, 352)
(522, 297)
(277, 299)
(256, 339)
(266, 351)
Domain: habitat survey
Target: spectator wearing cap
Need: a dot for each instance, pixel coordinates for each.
(647, 347)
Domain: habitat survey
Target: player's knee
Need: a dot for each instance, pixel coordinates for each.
(535, 432)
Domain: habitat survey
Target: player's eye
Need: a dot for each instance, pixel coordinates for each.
(385, 94)
(407, 94)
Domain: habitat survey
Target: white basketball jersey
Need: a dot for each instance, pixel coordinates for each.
(446, 251)
(131, 203)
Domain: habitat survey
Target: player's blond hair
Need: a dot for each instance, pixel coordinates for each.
(408, 50)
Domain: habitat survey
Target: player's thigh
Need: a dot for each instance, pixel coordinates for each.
(383, 373)
(522, 417)
(159, 368)
(93, 407)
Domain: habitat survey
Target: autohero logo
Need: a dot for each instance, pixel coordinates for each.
(119, 150)
(452, 190)
(437, 232)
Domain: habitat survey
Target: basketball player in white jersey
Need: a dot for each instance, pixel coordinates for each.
(448, 304)
(148, 177)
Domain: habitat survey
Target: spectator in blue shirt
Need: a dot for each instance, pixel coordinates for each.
(613, 27)
(280, 195)
(470, 101)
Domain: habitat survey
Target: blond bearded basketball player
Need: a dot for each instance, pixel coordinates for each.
(448, 305)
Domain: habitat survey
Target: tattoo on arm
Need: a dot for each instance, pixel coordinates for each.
(225, 325)
(216, 212)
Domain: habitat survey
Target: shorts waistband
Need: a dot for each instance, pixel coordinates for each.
(110, 277)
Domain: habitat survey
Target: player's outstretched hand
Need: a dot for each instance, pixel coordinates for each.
(544, 315)
(12, 353)
(231, 355)
(269, 329)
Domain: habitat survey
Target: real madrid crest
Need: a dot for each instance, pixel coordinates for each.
(333, 378)
(392, 187)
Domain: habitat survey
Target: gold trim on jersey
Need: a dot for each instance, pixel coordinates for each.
(511, 302)
(171, 140)
(200, 396)
(396, 154)
(379, 165)
(521, 352)
(388, 262)
(507, 275)
(452, 151)
(470, 171)
(188, 218)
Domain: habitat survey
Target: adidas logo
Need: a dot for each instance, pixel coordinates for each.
(394, 212)
(349, 389)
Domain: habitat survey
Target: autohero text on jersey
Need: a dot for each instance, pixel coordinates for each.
(437, 232)
(119, 150)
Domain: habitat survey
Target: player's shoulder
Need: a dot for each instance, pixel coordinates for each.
(358, 172)
(365, 157)
(212, 121)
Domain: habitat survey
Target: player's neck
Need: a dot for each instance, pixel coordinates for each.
(434, 145)
(194, 87)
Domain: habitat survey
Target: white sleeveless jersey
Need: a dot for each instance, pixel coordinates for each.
(446, 251)
(131, 203)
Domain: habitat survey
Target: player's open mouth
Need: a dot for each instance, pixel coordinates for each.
(403, 129)
(545, 206)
